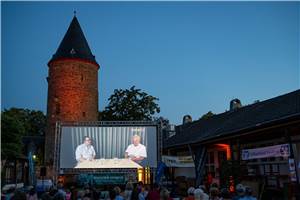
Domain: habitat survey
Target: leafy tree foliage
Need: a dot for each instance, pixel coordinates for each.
(16, 123)
(207, 115)
(130, 104)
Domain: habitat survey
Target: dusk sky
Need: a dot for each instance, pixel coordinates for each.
(194, 56)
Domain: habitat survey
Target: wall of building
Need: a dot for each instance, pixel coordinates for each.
(188, 172)
(72, 96)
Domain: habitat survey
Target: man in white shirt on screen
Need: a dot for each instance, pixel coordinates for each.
(85, 151)
(136, 151)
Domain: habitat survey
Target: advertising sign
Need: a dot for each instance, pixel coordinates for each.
(282, 150)
(102, 178)
(178, 161)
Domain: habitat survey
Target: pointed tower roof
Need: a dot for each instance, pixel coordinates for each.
(74, 45)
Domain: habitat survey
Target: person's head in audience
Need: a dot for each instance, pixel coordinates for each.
(140, 183)
(164, 194)
(190, 191)
(155, 186)
(58, 196)
(85, 197)
(215, 185)
(198, 193)
(117, 190)
(18, 195)
(240, 190)
(129, 186)
(225, 194)
(214, 191)
(32, 191)
(112, 194)
(203, 188)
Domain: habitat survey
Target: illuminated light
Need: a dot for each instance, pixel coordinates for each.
(33, 157)
(231, 184)
(147, 175)
(231, 189)
(140, 173)
(227, 148)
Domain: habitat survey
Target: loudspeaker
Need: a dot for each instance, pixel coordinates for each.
(43, 171)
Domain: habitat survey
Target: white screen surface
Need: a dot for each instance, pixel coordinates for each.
(108, 142)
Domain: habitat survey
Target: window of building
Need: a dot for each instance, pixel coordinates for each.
(83, 114)
(221, 157)
(210, 164)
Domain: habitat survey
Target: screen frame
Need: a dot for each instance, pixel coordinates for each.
(58, 135)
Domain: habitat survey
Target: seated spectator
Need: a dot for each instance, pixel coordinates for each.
(143, 193)
(140, 186)
(9, 193)
(112, 195)
(240, 192)
(225, 194)
(68, 194)
(165, 194)
(204, 195)
(135, 193)
(32, 195)
(198, 194)
(190, 193)
(214, 193)
(128, 191)
(215, 185)
(118, 192)
(46, 194)
(248, 194)
(18, 195)
(203, 188)
(154, 192)
(60, 189)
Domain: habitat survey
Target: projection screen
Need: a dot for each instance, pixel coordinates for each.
(108, 142)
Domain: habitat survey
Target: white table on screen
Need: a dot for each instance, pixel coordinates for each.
(109, 163)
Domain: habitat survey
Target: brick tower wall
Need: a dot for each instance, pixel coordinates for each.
(72, 96)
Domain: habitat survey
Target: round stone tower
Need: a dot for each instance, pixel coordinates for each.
(72, 85)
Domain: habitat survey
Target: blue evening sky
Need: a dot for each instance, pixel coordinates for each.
(193, 56)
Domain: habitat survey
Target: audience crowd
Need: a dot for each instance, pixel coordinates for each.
(131, 191)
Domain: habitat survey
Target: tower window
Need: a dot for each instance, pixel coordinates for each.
(81, 77)
(72, 52)
(55, 99)
(83, 114)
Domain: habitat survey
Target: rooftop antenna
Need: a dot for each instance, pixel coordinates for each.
(74, 13)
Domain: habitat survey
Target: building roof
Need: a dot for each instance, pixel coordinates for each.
(233, 122)
(74, 45)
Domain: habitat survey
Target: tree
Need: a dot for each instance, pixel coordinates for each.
(164, 122)
(207, 115)
(11, 137)
(17, 123)
(130, 104)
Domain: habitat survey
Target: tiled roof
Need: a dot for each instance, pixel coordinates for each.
(74, 44)
(232, 122)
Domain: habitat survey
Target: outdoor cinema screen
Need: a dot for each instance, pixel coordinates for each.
(90, 145)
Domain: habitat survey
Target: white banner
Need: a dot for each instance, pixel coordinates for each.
(282, 150)
(178, 161)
